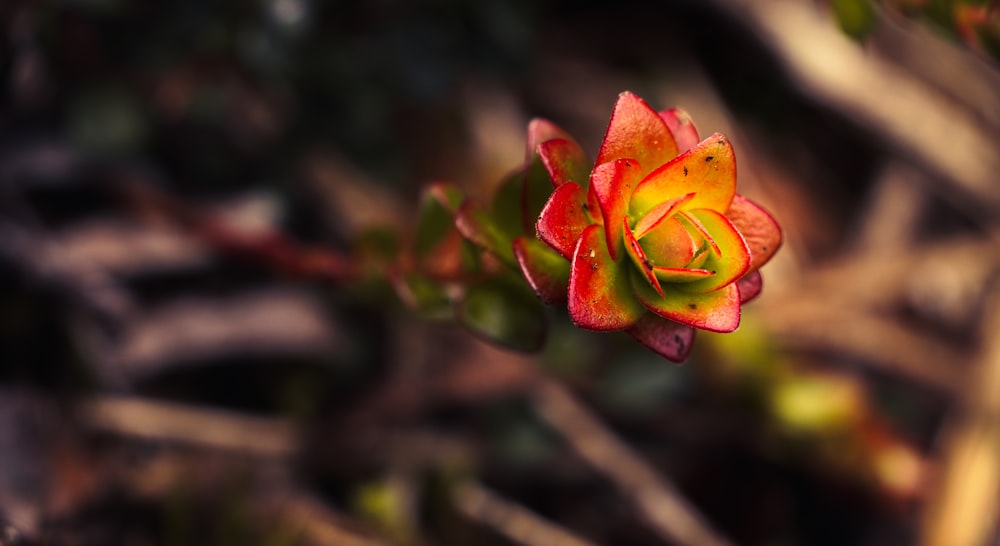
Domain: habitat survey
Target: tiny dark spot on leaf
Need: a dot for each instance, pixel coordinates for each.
(692, 306)
(685, 171)
(713, 272)
(709, 157)
(585, 207)
(764, 249)
(593, 266)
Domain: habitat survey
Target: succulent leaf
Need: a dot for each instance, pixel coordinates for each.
(758, 227)
(544, 269)
(638, 132)
(638, 255)
(732, 259)
(600, 294)
(680, 125)
(423, 295)
(478, 226)
(520, 199)
(750, 286)
(436, 219)
(563, 219)
(564, 160)
(670, 339)
(669, 244)
(541, 130)
(687, 275)
(504, 313)
(659, 213)
(708, 169)
(612, 184)
(717, 311)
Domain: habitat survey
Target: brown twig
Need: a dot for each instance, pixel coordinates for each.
(510, 519)
(55, 269)
(202, 427)
(316, 523)
(963, 511)
(901, 110)
(861, 333)
(665, 510)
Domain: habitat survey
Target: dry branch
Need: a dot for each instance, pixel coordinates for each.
(878, 341)
(202, 427)
(658, 502)
(963, 511)
(901, 110)
(510, 519)
(53, 268)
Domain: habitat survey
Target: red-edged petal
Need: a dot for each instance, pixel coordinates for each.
(730, 262)
(681, 126)
(659, 213)
(563, 219)
(541, 130)
(669, 244)
(708, 169)
(682, 274)
(600, 292)
(750, 286)
(638, 256)
(594, 207)
(544, 269)
(636, 131)
(612, 184)
(565, 160)
(669, 339)
(717, 311)
(758, 227)
(696, 224)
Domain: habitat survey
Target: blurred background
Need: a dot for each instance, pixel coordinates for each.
(182, 363)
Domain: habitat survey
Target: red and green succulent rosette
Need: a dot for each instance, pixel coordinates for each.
(655, 238)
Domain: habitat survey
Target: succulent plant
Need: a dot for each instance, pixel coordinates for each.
(654, 239)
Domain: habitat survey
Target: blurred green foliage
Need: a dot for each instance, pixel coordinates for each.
(973, 22)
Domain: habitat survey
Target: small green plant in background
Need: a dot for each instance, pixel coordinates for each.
(976, 23)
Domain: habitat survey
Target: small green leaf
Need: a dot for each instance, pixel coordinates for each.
(505, 314)
(479, 227)
(855, 17)
(520, 199)
(436, 219)
(425, 296)
(378, 245)
(545, 270)
(506, 209)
